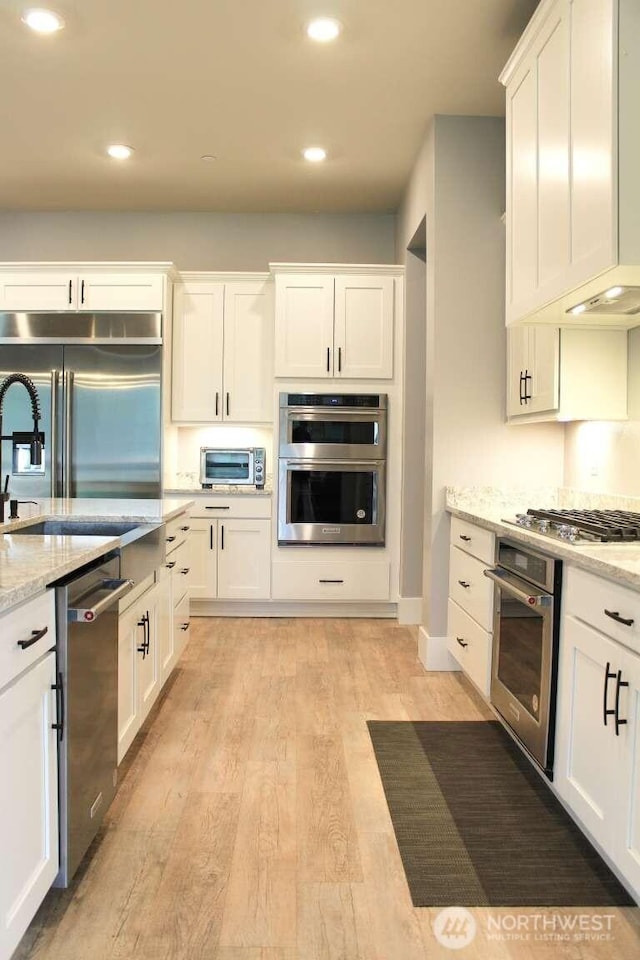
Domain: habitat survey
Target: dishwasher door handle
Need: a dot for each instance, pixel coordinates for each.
(91, 611)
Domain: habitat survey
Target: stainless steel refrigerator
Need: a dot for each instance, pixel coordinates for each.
(99, 380)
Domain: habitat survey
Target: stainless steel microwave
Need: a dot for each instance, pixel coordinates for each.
(232, 465)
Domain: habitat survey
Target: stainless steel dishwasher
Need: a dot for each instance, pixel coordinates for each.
(87, 623)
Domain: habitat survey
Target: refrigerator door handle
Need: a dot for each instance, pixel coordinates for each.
(53, 436)
(68, 429)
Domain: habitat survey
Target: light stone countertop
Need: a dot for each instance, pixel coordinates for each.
(28, 564)
(189, 483)
(489, 506)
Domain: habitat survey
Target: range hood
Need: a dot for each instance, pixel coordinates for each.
(615, 301)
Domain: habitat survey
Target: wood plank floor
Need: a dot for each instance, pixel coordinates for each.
(251, 824)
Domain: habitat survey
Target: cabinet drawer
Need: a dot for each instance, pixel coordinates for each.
(181, 624)
(330, 580)
(180, 571)
(469, 587)
(245, 505)
(19, 625)
(470, 645)
(588, 597)
(475, 540)
(176, 531)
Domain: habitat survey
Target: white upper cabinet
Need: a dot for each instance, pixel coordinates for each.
(72, 289)
(331, 325)
(573, 198)
(566, 374)
(222, 353)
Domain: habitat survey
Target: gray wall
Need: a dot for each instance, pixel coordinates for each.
(458, 181)
(199, 241)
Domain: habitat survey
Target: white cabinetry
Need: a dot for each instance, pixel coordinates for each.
(597, 768)
(231, 548)
(71, 288)
(28, 759)
(139, 668)
(174, 578)
(470, 605)
(573, 200)
(566, 374)
(222, 356)
(333, 326)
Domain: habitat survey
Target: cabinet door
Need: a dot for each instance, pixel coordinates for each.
(588, 765)
(522, 191)
(627, 844)
(244, 559)
(38, 291)
(29, 801)
(363, 332)
(166, 639)
(517, 366)
(148, 663)
(304, 326)
(594, 226)
(119, 291)
(198, 312)
(544, 369)
(203, 547)
(130, 637)
(248, 352)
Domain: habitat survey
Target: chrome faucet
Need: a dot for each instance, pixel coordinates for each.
(36, 443)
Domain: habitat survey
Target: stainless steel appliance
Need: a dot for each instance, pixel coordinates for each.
(332, 469)
(98, 378)
(232, 465)
(87, 663)
(581, 526)
(525, 646)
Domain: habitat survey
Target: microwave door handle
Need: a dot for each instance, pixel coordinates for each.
(530, 599)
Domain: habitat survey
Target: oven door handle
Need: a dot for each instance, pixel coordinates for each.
(512, 585)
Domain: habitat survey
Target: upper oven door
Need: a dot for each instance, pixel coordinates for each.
(314, 433)
(331, 502)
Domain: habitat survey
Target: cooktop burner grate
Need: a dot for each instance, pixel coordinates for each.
(605, 525)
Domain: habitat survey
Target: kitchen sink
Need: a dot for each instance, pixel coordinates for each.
(77, 528)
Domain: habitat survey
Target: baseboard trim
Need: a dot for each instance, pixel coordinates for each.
(409, 610)
(434, 653)
(266, 608)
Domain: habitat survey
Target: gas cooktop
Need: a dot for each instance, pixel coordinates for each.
(582, 526)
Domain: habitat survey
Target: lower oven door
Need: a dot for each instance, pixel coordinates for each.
(523, 662)
(331, 501)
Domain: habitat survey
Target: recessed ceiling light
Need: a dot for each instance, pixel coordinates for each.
(314, 154)
(119, 151)
(42, 21)
(208, 157)
(324, 29)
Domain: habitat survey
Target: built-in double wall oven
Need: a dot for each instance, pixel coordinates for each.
(332, 468)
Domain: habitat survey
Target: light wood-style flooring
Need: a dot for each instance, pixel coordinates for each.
(251, 824)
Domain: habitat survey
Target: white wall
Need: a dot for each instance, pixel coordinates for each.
(459, 177)
(199, 241)
(605, 457)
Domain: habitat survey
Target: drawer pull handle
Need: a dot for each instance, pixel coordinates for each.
(59, 724)
(35, 636)
(619, 683)
(170, 539)
(171, 564)
(185, 626)
(463, 643)
(616, 616)
(463, 583)
(217, 508)
(465, 538)
(185, 571)
(330, 581)
(185, 529)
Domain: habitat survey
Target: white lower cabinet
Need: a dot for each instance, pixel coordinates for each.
(597, 767)
(173, 581)
(470, 605)
(139, 665)
(336, 580)
(231, 559)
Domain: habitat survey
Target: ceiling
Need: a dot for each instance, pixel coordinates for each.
(238, 79)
